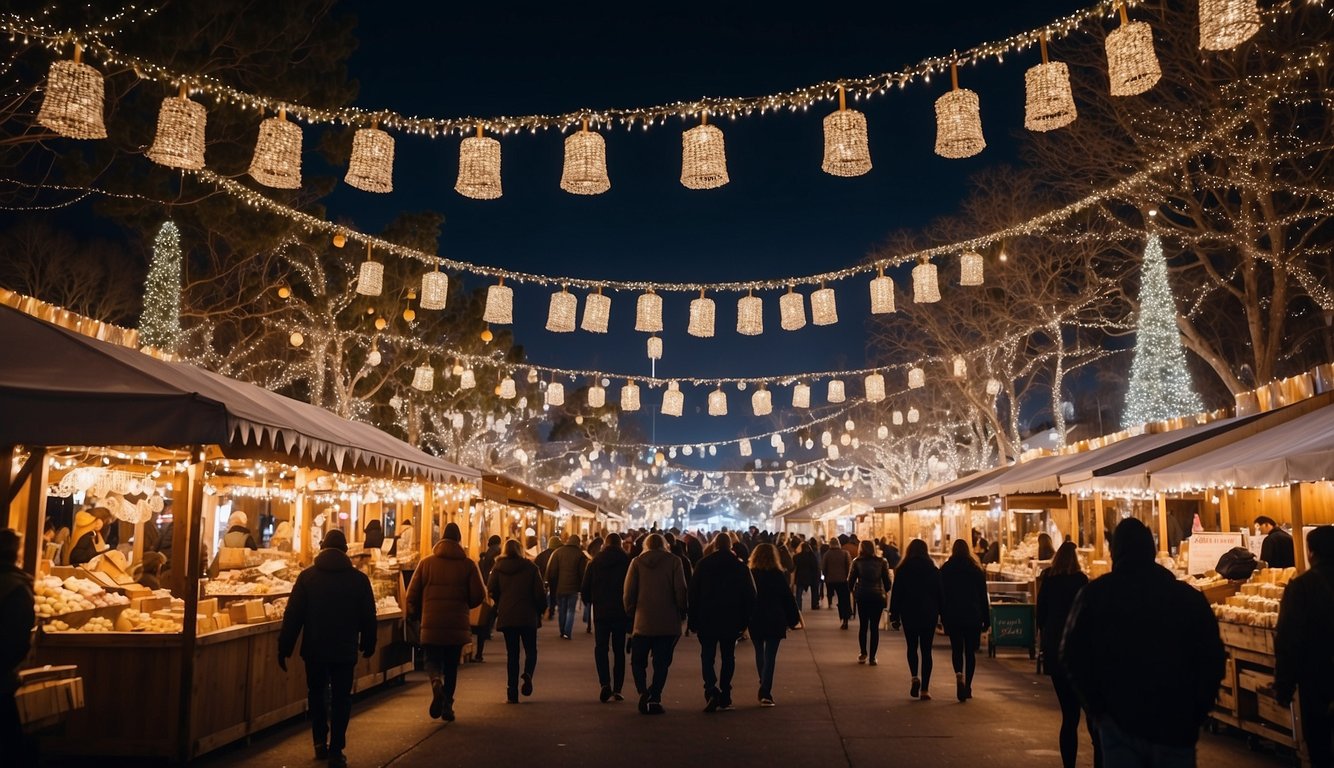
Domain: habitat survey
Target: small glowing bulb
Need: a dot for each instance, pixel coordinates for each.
(487, 336)
(381, 323)
(1004, 256)
(409, 315)
(284, 292)
(296, 339)
(339, 240)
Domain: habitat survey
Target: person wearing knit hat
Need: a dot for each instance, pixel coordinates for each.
(332, 610)
(445, 587)
(238, 532)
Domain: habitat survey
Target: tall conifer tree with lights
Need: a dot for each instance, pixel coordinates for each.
(1160, 385)
(160, 322)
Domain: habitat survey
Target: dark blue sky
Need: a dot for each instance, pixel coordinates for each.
(779, 216)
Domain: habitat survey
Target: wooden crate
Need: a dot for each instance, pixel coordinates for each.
(1249, 638)
(1273, 712)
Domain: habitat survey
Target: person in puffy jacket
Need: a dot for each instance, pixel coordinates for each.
(870, 583)
(516, 587)
(604, 589)
(1059, 585)
(565, 574)
(806, 565)
(655, 594)
(720, 597)
(965, 613)
(445, 586)
(915, 604)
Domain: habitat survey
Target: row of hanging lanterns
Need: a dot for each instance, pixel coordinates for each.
(73, 107)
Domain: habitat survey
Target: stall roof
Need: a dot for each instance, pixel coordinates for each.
(59, 387)
(811, 511)
(507, 490)
(930, 496)
(578, 506)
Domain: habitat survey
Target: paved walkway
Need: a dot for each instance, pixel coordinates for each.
(830, 712)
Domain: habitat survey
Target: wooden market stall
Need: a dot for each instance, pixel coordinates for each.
(507, 508)
(586, 516)
(826, 516)
(71, 401)
(922, 513)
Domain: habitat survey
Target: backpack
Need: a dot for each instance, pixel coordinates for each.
(1237, 564)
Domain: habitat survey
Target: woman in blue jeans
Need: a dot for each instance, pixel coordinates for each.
(915, 603)
(775, 613)
(516, 587)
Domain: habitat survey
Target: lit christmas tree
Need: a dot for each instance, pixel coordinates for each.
(160, 323)
(1160, 386)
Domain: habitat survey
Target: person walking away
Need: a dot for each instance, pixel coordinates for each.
(17, 616)
(332, 610)
(445, 586)
(482, 632)
(720, 599)
(516, 587)
(890, 551)
(965, 613)
(1276, 550)
(1143, 652)
(775, 613)
(238, 533)
(807, 574)
(1059, 584)
(655, 594)
(542, 560)
(1304, 664)
(836, 567)
(870, 585)
(604, 589)
(565, 575)
(915, 604)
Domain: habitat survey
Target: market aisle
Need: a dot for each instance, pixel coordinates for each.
(830, 711)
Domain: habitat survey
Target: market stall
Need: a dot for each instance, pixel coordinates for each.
(508, 508)
(108, 423)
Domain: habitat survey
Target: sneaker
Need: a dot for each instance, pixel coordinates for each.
(656, 708)
(968, 691)
(873, 661)
(616, 695)
(711, 705)
(643, 703)
(605, 694)
(844, 625)
(527, 688)
(960, 690)
(916, 688)
(448, 713)
(766, 701)
(437, 699)
(321, 751)
(511, 696)
(861, 659)
(478, 659)
(925, 696)
(337, 759)
(725, 704)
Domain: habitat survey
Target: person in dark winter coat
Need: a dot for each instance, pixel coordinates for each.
(869, 584)
(373, 535)
(721, 597)
(1304, 665)
(806, 565)
(836, 566)
(516, 587)
(1146, 697)
(915, 604)
(565, 574)
(482, 632)
(16, 621)
(965, 613)
(1059, 585)
(542, 560)
(332, 609)
(890, 551)
(655, 594)
(445, 586)
(775, 613)
(604, 589)
(1276, 550)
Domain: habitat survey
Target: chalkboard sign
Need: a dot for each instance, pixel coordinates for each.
(1013, 625)
(1206, 548)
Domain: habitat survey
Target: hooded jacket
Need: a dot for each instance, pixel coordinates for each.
(16, 619)
(966, 607)
(445, 586)
(516, 586)
(655, 593)
(332, 608)
(85, 542)
(721, 596)
(565, 570)
(916, 597)
(604, 584)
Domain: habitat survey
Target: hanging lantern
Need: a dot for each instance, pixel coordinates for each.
(832, 452)
(913, 416)
(801, 395)
(846, 149)
(655, 347)
(597, 312)
(72, 104)
(479, 167)
(532, 375)
(1049, 103)
(370, 278)
(701, 317)
(1226, 24)
(585, 169)
(296, 339)
(1132, 66)
(744, 446)
(875, 388)
(555, 394)
(916, 378)
(648, 313)
(882, 294)
(435, 290)
(792, 310)
(560, 312)
(499, 304)
(970, 269)
(762, 402)
(597, 396)
(630, 397)
(373, 358)
(179, 141)
(423, 378)
(897, 418)
(750, 315)
(277, 159)
(372, 166)
(703, 157)
(507, 389)
(835, 392)
(717, 403)
(958, 121)
(882, 432)
(823, 309)
(925, 284)
(845, 439)
(993, 387)
(673, 400)
(960, 367)
(467, 379)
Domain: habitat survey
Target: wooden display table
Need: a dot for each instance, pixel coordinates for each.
(1244, 701)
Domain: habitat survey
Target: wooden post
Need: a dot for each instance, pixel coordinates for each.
(427, 512)
(138, 555)
(1005, 522)
(302, 515)
(36, 512)
(1162, 522)
(194, 505)
(1298, 523)
(1072, 501)
(1224, 512)
(1099, 528)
